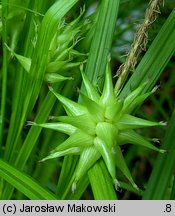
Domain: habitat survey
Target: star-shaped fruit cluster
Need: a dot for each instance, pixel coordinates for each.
(98, 126)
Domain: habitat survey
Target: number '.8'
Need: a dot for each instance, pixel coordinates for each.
(168, 207)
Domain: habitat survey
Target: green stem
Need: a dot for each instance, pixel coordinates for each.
(4, 69)
(163, 168)
(20, 84)
(95, 70)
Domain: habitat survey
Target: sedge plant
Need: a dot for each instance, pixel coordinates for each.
(98, 126)
(54, 143)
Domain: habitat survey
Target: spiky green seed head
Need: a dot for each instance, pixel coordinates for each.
(62, 55)
(98, 126)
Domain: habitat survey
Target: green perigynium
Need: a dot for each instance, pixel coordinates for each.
(62, 55)
(98, 126)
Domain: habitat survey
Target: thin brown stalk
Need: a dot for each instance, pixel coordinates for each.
(139, 44)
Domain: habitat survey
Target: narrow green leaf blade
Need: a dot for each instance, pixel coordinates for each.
(96, 65)
(163, 168)
(23, 183)
(101, 182)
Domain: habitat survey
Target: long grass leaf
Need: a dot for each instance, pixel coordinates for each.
(150, 69)
(28, 186)
(39, 62)
(96, 65)
(20, 81)
(102, 40)
(163, 168)
(101, 182)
